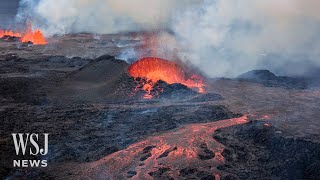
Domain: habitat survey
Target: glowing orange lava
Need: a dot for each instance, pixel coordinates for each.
(9, 33)
(154, 69)
(181, 146)
(36, 37)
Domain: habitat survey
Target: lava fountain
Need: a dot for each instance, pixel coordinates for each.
(36, 37)
(153, 69)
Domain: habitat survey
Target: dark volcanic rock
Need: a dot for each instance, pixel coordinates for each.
(10, 38)
(269, 79)
(122, 127)
(83, 105)
(174, 91)
(161, 174)
(166, 152)
(22, 90)
(188, 173)
(313, 170)
(207, 97)
(131, 174)
(148, 149)
(163, 90)
(205, 153)
(256, 151)
(258, 75)
(229, 177)
(146, 153)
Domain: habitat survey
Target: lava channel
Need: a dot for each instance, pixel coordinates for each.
(190, 146)
(153, 69)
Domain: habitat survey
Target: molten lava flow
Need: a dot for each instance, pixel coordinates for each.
(173, 150)
(10, 33)
(155, 69)
(36, 37)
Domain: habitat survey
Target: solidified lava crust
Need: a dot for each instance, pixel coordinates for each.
(101, 128)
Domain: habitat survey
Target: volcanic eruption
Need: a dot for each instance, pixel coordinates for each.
(36, 37)
(10, 33)
(153, 69)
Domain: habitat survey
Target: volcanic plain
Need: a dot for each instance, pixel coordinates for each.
(77, 89)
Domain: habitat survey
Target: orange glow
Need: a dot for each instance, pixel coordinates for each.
(182, 146)
(8, 33)
(154, 69)
(36, 37)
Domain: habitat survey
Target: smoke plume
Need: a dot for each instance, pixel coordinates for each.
(228, 37)
(221, 37)
(98, 16)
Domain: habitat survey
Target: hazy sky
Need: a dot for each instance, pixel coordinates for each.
(8, 10)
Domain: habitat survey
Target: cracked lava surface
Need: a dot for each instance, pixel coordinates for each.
(166, 155)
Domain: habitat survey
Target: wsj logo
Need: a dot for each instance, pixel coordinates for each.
(26, 143)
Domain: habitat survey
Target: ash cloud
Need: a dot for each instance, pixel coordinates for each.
(221, 37)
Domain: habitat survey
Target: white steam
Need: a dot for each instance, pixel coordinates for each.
(228, 37)
(221, 37)
(99, 16)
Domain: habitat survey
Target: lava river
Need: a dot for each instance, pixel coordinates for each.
(190, 146)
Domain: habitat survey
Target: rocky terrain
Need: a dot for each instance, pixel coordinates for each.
(256, 126)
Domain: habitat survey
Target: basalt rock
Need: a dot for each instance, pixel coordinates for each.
(267, 78)
(277, 156)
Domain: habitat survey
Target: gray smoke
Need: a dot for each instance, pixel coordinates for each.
(228, 37)
(98, 16)
(221, 37)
